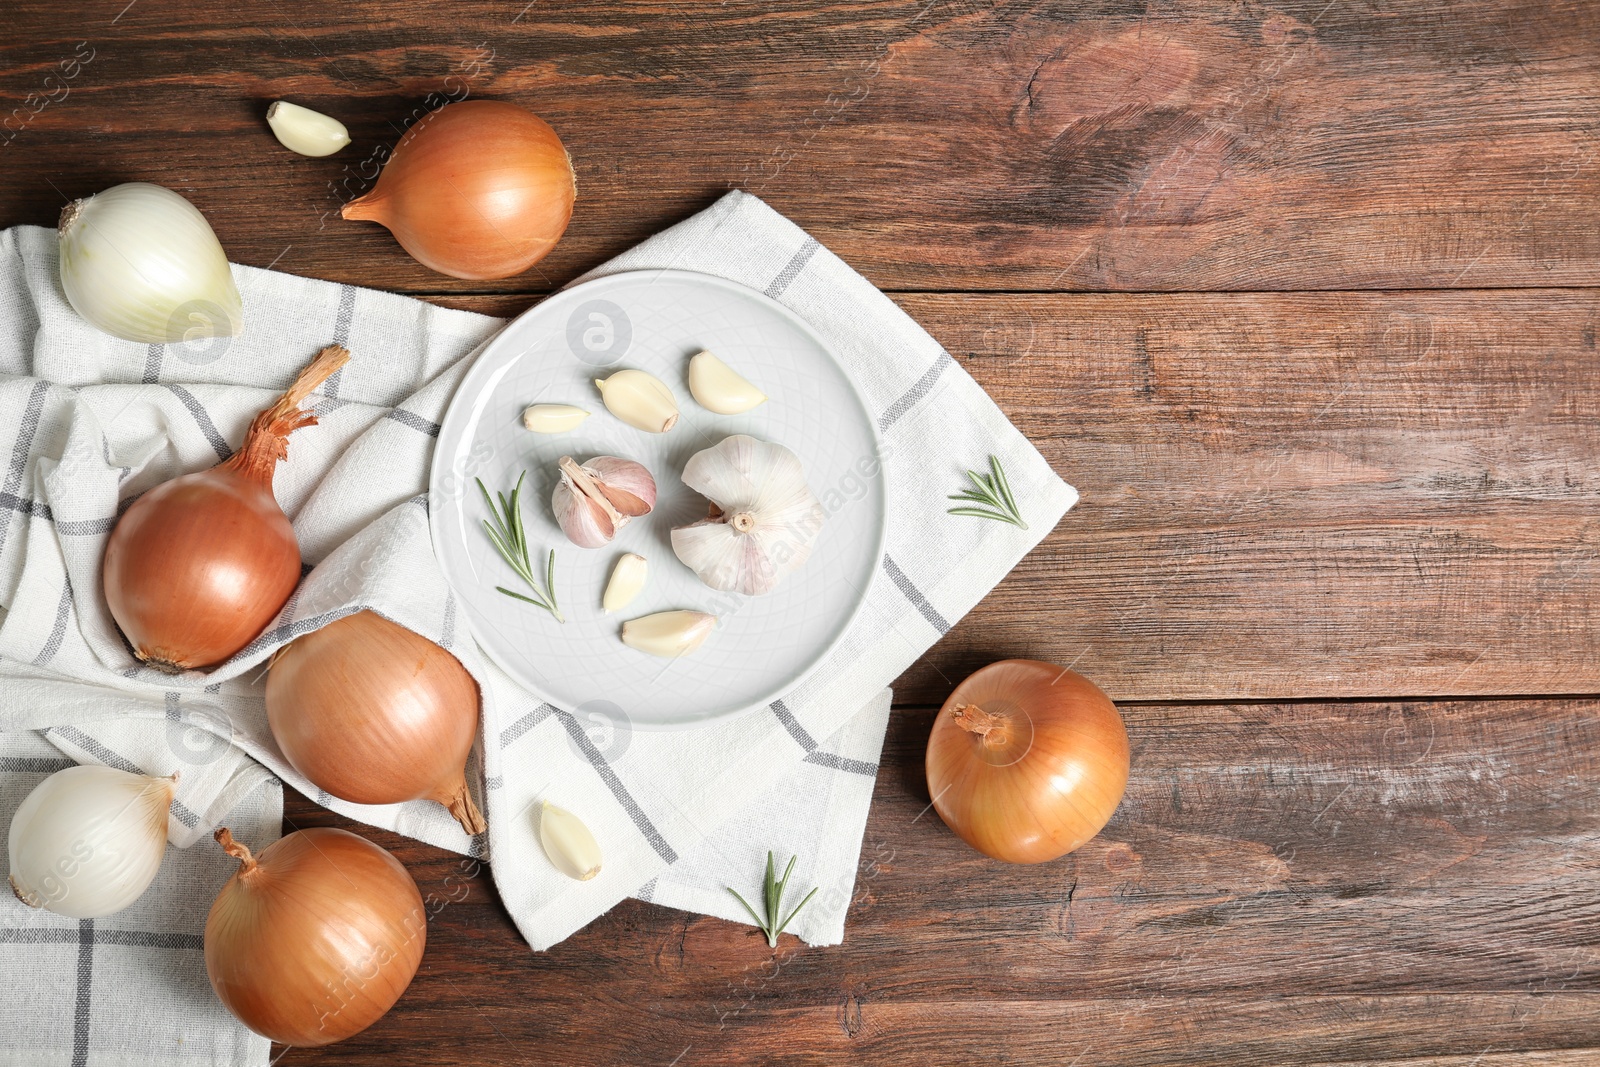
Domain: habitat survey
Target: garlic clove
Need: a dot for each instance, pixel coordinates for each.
(311, 133)
(627, 582)
(553, 418)
(641, 400)
(763, 522)
(594, 500)
(625, 484)
(718, 387)
(669, 634)
(568, 843)
(586, 523)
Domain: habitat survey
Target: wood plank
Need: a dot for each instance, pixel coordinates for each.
(1288, 496)
(1299, 495)
(935, 144)
(1307, 883)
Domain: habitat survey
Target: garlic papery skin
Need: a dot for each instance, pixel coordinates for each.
(88, 840)
(717, 387)
(641, 400)
(141, 263)
(595, 499)
(627, 582)
(568, 843)
(311, 133)
(553, 418)
(669, 634)
(764, 519)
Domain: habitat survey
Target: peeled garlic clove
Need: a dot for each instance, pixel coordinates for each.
(553, 418)
(764, 520)
(311, 133)
(669, 634)
(641, 400)
(568, 843)
(718, 387)
(594, 500)
(627, 581)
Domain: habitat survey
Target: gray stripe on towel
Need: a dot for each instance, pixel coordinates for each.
(58, 630)
(913, 594)
(792, 269)
(413, 420)
(202, 419)
(919, 389)
(575, 731)
(843, 763)
(128, 938)
(801, 735)
(19, 455)
(80, 1011)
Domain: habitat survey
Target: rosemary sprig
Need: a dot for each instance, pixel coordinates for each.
(511, 540)
(773, 890)
(994, 493)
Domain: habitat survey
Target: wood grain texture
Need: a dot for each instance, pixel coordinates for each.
(1346, 494)
(934, 144)
(1290, 495)
(1286, 495)
(1299, 883)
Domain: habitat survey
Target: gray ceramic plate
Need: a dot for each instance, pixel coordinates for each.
(654, 321)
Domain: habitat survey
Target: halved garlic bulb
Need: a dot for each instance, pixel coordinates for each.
(718, 387)
(669, 634)
(764, 518)
(595, 500)
(627, 582)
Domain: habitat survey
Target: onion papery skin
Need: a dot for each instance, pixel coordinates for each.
(376, 714)
(478, 189)
(1045, 777)
(316, 938)
(199, 566)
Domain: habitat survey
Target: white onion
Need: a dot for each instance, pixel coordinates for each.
(141, 263)
(88, 840)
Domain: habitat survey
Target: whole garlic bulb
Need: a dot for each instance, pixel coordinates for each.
(594, 500)
(764, 518)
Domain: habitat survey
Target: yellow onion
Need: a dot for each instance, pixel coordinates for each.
(376, 714)
(199, 565)
(1027, 760)
(478, 189)
(314, 939)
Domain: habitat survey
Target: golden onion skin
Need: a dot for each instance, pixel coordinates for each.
(1027, 761)
(316, 938)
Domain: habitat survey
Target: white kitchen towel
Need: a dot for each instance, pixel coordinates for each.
(129, 989)
(88, 422)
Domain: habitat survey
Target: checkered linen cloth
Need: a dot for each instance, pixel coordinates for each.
(88, 422)
(128, 990)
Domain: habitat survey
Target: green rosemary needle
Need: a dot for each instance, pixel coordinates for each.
(773, 892)
(994, 493)
(505, 529)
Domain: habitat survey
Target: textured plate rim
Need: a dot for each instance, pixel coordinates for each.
(479, 368)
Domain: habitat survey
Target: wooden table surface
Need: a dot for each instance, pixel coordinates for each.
(1302, 296)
